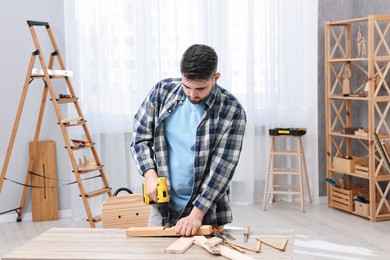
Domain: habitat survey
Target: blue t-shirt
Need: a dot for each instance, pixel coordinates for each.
(180, 132)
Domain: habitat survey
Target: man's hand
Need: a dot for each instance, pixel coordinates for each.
(151, 184)
(188, 226)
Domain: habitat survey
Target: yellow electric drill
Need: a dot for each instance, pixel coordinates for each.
(162, 199)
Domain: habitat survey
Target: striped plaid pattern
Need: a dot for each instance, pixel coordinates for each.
(217, 146)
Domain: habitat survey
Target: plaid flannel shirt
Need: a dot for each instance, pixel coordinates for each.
(217, 147)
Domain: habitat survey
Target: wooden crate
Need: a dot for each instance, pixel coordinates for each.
(343, 198)
(362, 209)
(343, 165)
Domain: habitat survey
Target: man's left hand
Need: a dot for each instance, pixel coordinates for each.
(188, 226)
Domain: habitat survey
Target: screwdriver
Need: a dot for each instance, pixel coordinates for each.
(246, 234)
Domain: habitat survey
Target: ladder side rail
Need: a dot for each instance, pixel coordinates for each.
(17, 120)
(77, 106)
(62, 66)
(63, 129)
(71, 154)
(59, 117)
(33, 152)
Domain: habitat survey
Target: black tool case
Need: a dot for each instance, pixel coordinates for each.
(287, 131)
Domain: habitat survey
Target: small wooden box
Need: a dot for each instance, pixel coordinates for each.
(343, 165)
(343, 198)
(362, 209)
(361, 170)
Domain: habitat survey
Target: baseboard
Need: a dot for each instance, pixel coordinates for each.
(12, 217)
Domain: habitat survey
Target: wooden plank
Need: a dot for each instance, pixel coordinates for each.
(45, 197)
(161, 231)
(180, 246)
(233, 254)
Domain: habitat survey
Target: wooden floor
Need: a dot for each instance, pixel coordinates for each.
(320, 232)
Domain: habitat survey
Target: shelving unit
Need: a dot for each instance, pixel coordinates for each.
(354, 163)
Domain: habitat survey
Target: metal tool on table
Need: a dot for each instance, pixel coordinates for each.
(218, 233)
(218, 230)
(162, 199)
(246, 234)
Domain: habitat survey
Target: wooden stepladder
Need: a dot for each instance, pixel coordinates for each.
(49, 74)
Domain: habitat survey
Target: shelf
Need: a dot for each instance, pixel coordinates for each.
(348, 97)
(346, 59)
(349, 136)
(350, 174)
(369, 59)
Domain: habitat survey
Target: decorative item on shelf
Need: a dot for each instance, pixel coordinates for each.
(347, 75)
(61, 96)
(80, 143)
(72, 121)
(361, 132)
(86, 163)
(364, 92)
(361, 43)
(350, 130)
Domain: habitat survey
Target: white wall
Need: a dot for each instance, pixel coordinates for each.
(16, 46)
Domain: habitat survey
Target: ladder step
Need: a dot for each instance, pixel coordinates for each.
(81, 147)
(283, 192)
(98, 192)
(82, 171)
(66, 100)
(52, 73)
(75, 123)
(96, 219)
(284, 153)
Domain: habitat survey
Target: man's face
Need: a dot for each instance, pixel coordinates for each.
(198, 90)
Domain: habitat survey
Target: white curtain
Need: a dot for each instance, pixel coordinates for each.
(268, 59)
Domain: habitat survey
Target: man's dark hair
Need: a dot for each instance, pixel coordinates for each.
(199, 62)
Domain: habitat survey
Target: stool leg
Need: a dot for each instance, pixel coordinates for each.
(305, 171)
(269, 166)
(300, 174)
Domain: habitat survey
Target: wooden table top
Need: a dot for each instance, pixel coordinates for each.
(99, 243)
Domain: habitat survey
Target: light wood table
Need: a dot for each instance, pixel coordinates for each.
(99, 243)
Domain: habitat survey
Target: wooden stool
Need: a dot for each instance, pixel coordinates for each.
(272, 170)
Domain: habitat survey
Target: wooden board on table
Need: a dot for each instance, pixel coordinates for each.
(161, 231)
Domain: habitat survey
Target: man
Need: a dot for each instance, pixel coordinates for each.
(190, 131)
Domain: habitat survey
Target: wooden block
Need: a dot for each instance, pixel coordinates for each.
(284, 244)
(236, 248)
(233, 254)
(258, 246)
(124, 211)
(43, 163)
(213, 241)
(180, 246)
(201, 241)
(161, 231)
(220, 249)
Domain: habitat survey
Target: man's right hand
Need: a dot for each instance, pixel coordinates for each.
(151, 184)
